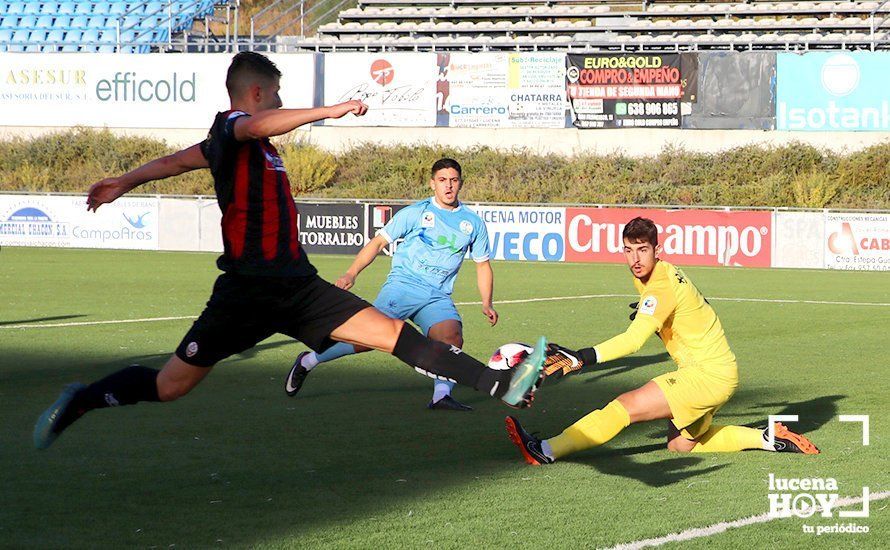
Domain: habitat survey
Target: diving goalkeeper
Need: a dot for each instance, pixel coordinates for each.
(671, 306)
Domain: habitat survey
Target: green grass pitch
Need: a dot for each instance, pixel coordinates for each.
(357, 461)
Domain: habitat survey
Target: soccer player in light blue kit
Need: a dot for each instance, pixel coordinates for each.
(438, 232)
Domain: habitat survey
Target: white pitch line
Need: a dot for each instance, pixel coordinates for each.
(724, 526)
(522, 301)
(109, 322)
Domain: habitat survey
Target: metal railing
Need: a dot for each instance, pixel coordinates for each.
(875, 25)
(270, 22)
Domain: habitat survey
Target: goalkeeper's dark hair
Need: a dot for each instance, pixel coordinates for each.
(248, 69)
(641, 230)
(444, 163)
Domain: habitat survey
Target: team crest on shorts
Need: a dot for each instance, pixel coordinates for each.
(466, 227)
(191, 349)
(428, 220)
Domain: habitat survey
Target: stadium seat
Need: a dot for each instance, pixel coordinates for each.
(44, 22)
(19, 39)
(31, 8)
(27, 22)
(84, 8)
(49, 8)
(97, 22)
(100, 8)
(9, 22)
(117, 8)
(15, 7)
(62, 22)
(67, 8)
(78, 22)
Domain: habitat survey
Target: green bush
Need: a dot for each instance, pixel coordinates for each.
(796, 175)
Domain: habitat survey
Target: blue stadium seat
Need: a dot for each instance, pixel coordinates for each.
(102, 8)
(49, 8)
(5, 36)
(117, 8)
(62, 22)
(130, 22)
(78, 22)
(96, 22)
(85, 8)
(31, 8)
(67, 8)
(19, 38)
(156, 8)
(35, 38)
(55, 35)
(27, 22)
(9, 22)
(44, 22)
(3, 6)
(15, 7)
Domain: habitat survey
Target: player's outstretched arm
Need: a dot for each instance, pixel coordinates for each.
(485, 282)
(562, 361)
(362, 260)
(109, 189)
(274, 122)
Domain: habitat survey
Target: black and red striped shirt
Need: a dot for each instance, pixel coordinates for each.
(259, 223)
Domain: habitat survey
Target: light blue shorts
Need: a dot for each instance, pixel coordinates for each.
(422, 305)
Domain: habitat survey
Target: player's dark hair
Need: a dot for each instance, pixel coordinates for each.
(641, 230)
(441, 164)
(249, 68)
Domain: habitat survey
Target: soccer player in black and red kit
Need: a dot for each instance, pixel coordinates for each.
(268, 285)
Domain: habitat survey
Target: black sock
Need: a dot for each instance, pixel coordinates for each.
(125, 387)
(439, 360)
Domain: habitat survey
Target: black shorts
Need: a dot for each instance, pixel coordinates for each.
(244, 310)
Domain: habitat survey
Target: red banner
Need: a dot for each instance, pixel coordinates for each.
(689, 237)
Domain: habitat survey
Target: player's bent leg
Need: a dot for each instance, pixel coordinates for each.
(676, 442)
(450, 332)
(178, 378)
(124, 387)
(371, 328)
(645, 403)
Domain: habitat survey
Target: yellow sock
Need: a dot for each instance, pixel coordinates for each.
(723, 439)
(594, 429)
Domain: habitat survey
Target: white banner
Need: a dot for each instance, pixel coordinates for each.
(505, 90)
(54, 221)
(524, 232)
(858, 242)
(399, 88)
(131, 90)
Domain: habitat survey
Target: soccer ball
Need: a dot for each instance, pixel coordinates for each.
(509, 355)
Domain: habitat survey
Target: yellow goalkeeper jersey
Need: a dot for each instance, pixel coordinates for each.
(671, 305)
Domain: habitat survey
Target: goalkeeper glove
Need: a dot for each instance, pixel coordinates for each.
(561, 362)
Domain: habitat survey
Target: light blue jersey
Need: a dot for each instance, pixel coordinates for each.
(436, 241)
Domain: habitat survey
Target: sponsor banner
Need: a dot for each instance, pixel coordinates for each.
(628, 90)
(51, 221)
(331, 228)
(688, 237)
(799, 239)
(502, 90)
(131, 90)
(857, 241)
(830, 92)
(399, 88)
(525, 233)
(377, 215)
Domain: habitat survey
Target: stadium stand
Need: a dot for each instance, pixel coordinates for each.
(585, 25)
(100, 26)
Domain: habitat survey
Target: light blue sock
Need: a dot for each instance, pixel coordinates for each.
(441, 389)
(337, 350)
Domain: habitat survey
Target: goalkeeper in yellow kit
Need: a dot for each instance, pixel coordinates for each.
(671, 306)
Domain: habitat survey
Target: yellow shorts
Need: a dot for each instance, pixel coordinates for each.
(696, 394)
